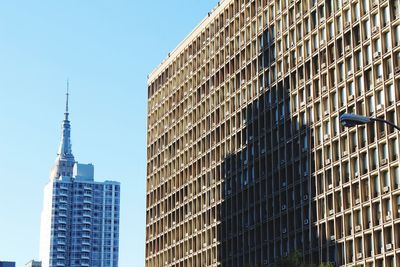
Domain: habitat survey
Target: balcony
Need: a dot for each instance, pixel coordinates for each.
(62, 214)
(87, 200)
(86, 235)
(86, 229)
(87, 208)
(86, 221)
(61, 235)
(63, 193)
(86, 215)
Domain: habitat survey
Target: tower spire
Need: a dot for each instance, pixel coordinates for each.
(66, 102)
(65, 159)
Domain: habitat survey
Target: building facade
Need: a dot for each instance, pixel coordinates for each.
(7, 264)
(246, 158)
(80, 217)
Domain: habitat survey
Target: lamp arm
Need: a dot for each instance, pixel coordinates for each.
(387, 122)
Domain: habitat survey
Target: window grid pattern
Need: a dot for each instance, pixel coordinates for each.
(296, 160)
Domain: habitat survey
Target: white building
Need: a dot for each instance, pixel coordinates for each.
(80, 217)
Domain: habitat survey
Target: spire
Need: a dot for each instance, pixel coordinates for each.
(66, 103)
(64, 150)
(65, 159)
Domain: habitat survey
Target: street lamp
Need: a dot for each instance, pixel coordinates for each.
(350, 120)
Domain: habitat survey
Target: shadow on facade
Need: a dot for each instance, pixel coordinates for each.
(268, 208)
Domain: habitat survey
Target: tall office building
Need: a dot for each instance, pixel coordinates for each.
(246, 158)
(80, 217)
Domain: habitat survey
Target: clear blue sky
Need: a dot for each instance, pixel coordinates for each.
(106, 48)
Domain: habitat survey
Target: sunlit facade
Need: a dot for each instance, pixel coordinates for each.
(246, 158)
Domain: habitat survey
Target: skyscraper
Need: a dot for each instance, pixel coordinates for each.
(80, 217)
(246, 158)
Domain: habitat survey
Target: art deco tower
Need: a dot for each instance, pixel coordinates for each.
(64, 163)
(80, 217)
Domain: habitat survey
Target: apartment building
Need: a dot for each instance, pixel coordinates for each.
(246, 158)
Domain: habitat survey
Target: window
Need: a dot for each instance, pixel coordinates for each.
(355, 167)
(377, 187)
(386, 16)
(339, 24)
(326, 128)
(323, 34)
(387, 41)
(377, 46)
(340, 72)
(343, 98)
(349, 65)
(380, 97)
(374, 159)
(396, 173)
(319, 135)
(394, 149)
(388, 68)
(339, 4)
(350, 87)
(335, 125)
(331, 30)
(356, 10)
(386, 179)
(364, 163)
(375, 20)
(368, 55)
(371, 105)
(308, 48)
(334, 101)
(368, 79)
(358, 60)
(363, 135)
(360, 85)
(353, 139)
(367, 30)
(379, 71)
(384, 152)
(347, 17)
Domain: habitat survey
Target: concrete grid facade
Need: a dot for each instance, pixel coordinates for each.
(247, 160)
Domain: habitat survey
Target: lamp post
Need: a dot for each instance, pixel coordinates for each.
(350, 120)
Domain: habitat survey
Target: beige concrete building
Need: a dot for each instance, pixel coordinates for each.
(247, 160)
